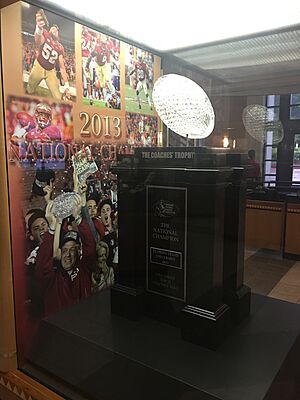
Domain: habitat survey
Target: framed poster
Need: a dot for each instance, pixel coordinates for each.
(66, 122)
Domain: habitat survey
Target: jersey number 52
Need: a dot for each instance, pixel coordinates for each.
(49, 54)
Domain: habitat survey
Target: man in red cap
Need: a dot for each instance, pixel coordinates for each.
(64, 275)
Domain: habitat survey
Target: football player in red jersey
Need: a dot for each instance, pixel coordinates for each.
(142, 75)
(24, 123)
(87, 45)
(37, 128)
(102, 55)
(44, 131)
(50, 55)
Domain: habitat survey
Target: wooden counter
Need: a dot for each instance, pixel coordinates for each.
(265, 224)
(292, 232)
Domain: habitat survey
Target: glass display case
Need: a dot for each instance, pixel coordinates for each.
(138, 262)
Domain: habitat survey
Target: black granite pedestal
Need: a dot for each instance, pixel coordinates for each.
(172, 209)
(171, 246)
(235, 293)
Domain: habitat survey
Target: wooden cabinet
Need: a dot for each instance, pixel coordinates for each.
(265, 224)
(292, 231)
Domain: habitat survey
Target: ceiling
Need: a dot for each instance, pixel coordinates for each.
(164, 25)
(267, 62)
(259, 64)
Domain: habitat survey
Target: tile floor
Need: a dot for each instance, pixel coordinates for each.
(269, 274)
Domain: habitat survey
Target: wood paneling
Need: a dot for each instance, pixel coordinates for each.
(264, 224)
(8, 357)
(16, 385)
(4, 3)
(292, 237)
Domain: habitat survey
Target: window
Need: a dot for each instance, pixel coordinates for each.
(270, 149)
(296, 159)
(295, 106)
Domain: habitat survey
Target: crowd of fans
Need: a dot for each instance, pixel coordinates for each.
(72, 258)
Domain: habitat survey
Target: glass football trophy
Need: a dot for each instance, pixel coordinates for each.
(183, 106)
(64, 204)
(258, 123)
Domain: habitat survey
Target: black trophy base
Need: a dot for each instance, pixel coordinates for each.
(162, 308)
(126, 302)
(204, 327)
(239, 303)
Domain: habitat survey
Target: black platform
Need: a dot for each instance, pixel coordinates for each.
(110, 357)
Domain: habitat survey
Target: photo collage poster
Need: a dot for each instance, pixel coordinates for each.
(78, 99)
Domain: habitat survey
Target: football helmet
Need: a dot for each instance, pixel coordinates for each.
(54, 31)
(43, 115)
(104, 39)
(139, 56)
(25, 120)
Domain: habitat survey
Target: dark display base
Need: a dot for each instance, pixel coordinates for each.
(129, 303)
(239, 303)
(203, 327)
(126, 302)
(109, 357)
(199, 326)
